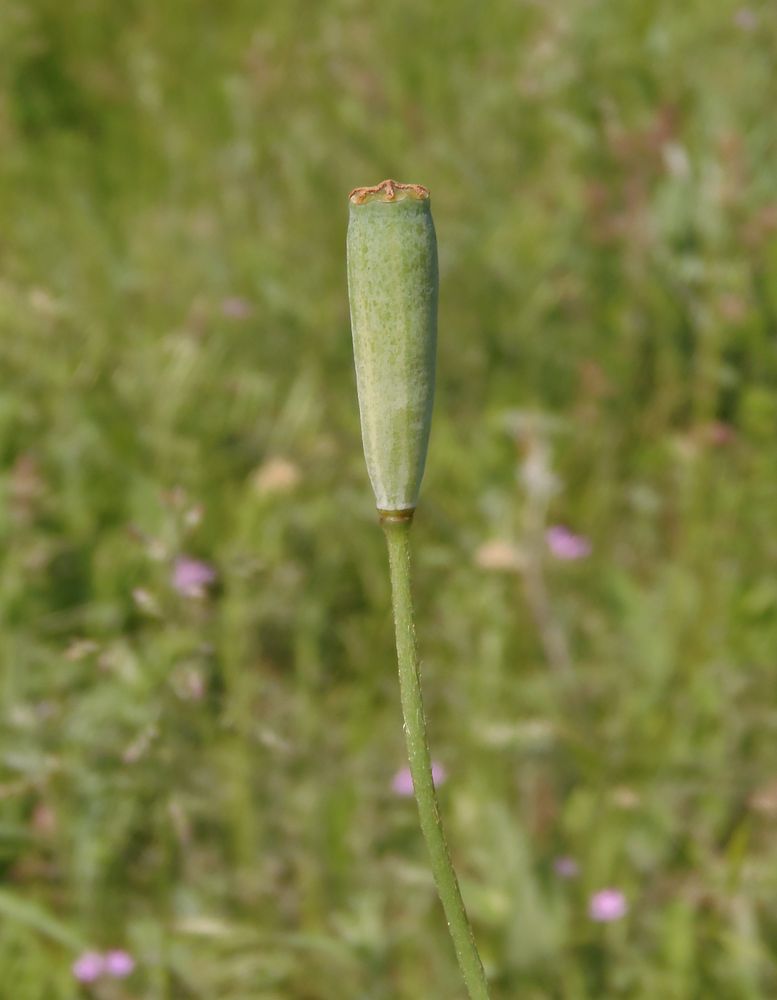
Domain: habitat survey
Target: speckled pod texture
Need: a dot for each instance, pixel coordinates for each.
(392, 286)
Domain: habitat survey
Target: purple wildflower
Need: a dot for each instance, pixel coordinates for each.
(607, 905)
(119, 964)
(192, 577)
(236, 308)
(719, 433)
(746, 19)
(88, 967)
(565, 544)
(402, 782)
(439, 774)
(566, 867)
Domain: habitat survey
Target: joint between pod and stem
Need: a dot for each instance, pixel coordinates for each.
(388, 517)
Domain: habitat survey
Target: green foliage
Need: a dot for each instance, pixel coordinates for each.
(206, 780)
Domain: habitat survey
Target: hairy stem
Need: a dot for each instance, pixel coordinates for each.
(398, 539)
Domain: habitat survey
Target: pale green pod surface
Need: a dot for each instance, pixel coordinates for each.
(392, 286)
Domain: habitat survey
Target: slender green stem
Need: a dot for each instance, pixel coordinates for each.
(398, 539)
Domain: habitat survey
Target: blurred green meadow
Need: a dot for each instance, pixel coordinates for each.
(200, 731)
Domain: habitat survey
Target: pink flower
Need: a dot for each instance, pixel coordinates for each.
(402, 782)
(119, 964)
(565, 544)
(607, 905)
(88, 967)
(746, 19)
(192, 577)
(236, 308)
(566, 867)
(719, 433)
(91, 965)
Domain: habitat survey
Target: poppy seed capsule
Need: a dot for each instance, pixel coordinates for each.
(392, 287)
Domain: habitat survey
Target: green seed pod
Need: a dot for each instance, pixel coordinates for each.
(392, 286)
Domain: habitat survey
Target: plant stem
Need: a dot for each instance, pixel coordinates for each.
(398, 540)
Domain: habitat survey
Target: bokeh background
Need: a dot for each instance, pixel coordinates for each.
(200, 739)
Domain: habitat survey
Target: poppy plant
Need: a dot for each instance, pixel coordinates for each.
(392, 286)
